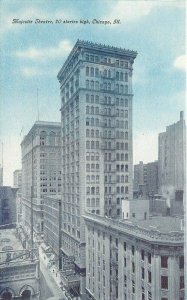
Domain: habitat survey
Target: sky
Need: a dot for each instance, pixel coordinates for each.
(32, 54)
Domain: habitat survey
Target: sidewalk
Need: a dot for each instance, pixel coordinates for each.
(52, 276)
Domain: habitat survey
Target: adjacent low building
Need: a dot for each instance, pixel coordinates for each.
(134, 260)
(19, 269)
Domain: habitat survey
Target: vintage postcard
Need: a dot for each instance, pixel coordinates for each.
(92, 149)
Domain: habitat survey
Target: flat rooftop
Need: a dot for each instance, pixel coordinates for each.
(163, 224)
(9, 241)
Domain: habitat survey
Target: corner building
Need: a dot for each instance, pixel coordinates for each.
(96, 117)
(141, 260)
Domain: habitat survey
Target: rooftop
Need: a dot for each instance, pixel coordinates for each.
(158, 230)
(9, 241)
(163, 224)
(100, 47)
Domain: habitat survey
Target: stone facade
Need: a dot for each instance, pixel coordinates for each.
(96, 113)
(19, 272)
(134, 260)
(40, 170)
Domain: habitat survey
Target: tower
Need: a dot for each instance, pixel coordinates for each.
(96, 119)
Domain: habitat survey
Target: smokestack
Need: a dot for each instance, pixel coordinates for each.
(181, 115)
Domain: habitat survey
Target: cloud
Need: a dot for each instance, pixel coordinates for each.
(34, 53)
(128, 11)
(145, 147)
(180, 62)
(31, 71)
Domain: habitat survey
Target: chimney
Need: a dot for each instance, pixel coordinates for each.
(181, 115)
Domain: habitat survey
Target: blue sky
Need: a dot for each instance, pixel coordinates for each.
(32, 55)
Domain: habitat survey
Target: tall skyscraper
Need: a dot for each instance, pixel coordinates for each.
(41, 170)
(96, 117)
(171, 157)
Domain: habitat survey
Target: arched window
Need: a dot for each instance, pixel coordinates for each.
(26, 295)
(96, 99)
(52, 138)
(92, 133)
(117, 75)
(126, 168)
(126, 178)
(126, 146)
(87, 144)
(7, 296)
(126, 135)
(92, 144)
(87, 178)
(122, 189)
(87, 71)
(87, 98)
(126, 124)
(92, 84)
(126, 77)
(126, 102)
(126, 89)
(92, 72)
(122, 168)
(121, 113)
(121, 76)
(43, 136)
(87, 84)
(121, 88)
(126, 157)
(105, 73)
(126, 190)
(117, 88)
(126, 113)
(109, 73)
(109, 86)
(92, 121)
(97, 85)
(87, 110)
(92, 98)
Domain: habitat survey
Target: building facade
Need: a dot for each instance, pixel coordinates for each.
(1, 175)
(96, 118)
(146, 179)
(134, 261)
(19, 271)
(171, 157)
(41, 171)
(52, 225)
(8, 205)
(17, 182)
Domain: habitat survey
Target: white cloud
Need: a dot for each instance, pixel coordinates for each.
(31, 71)
(128, 11)
(34, 53)
(145, 147)
(180, 62)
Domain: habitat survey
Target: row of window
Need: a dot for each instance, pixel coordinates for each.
(119, 88)
(106, 111)
(91, 71)
(94, 202)
(92, 190)
(106, 60)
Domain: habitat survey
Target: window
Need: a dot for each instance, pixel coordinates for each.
(126, 77)
(149, 256)
(142, 254)
(149, 277)
(181, 262)
(132, 249)
(133, 267)
(164, 282)
(143, 273)
(181, 282)
(87, 71)
(164, 261)
(125, 246)
(43, 136)
(51, 138)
